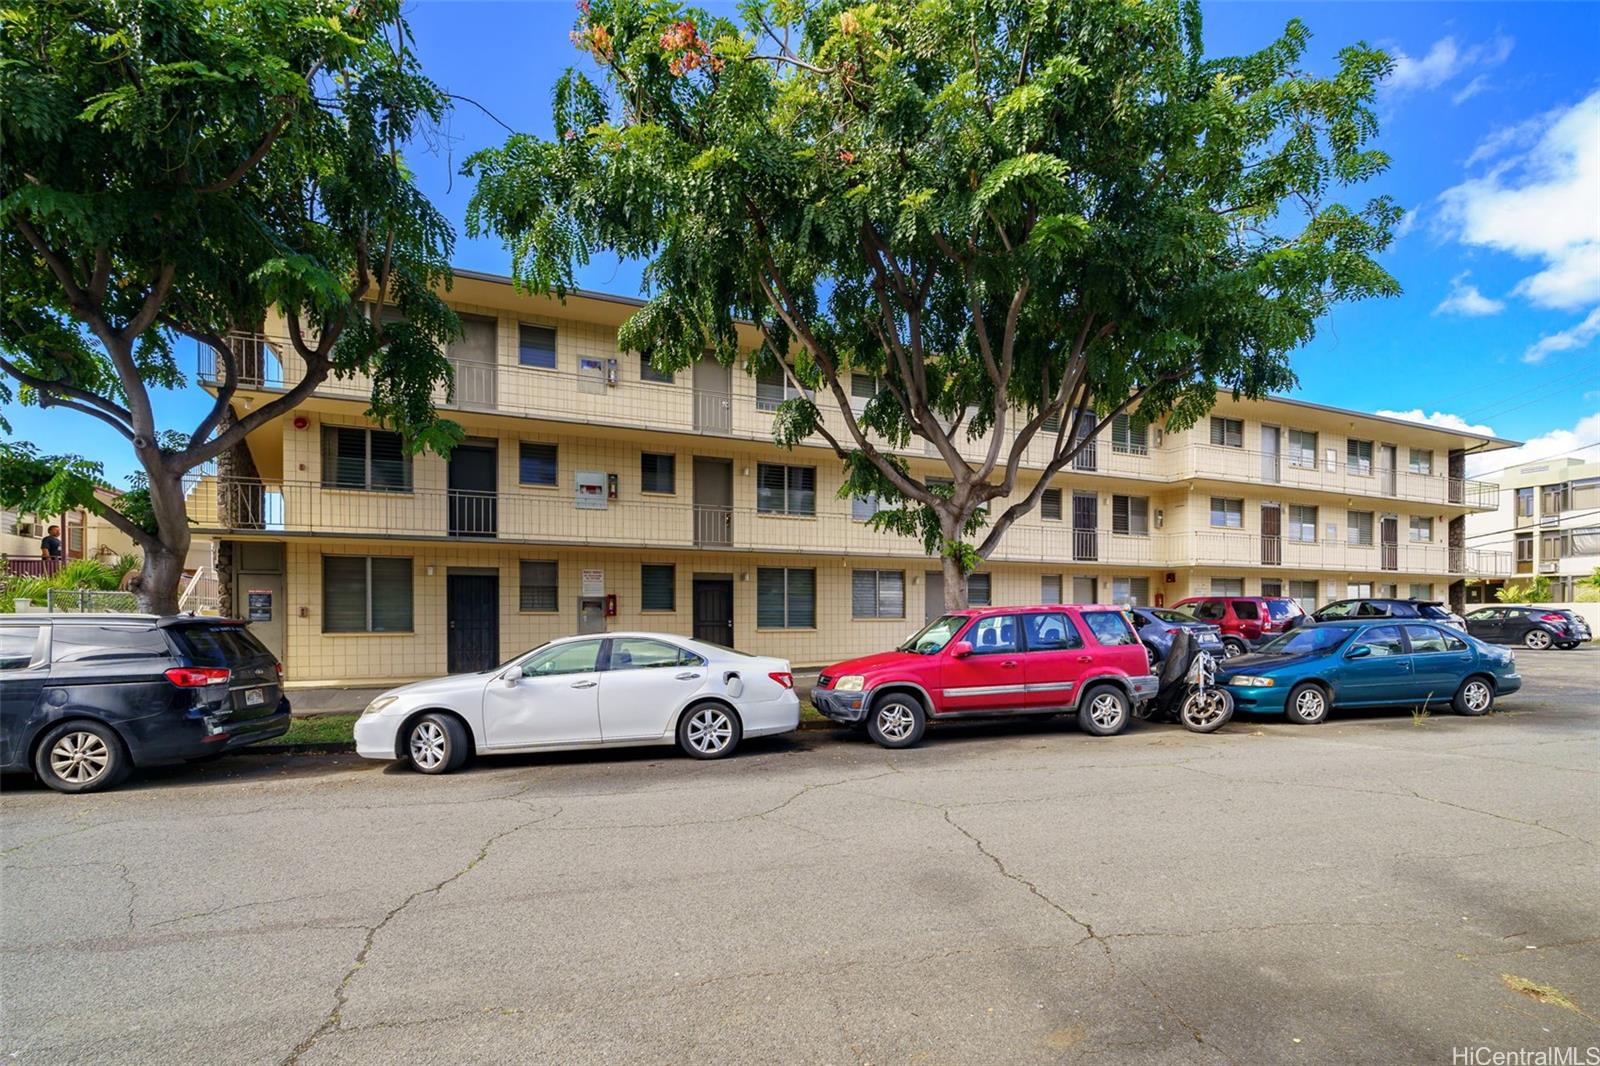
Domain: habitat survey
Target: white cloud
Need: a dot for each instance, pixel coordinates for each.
(1540, 205)
(1577, 336)
(1442, 419)
(1470, 89)
(1445, 61)
(1408, 222)
(1465, 299)
(1558, 443)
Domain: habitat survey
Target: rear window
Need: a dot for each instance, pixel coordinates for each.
(91, 643)
(1110, 628)
(1278, 609)
(1245, 609)
(219, 645)
(1433, 610)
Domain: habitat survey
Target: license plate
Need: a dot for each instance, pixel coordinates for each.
(254, 697)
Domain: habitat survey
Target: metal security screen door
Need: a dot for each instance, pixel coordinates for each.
(1271, 535)
(473, 606)
(473, 504)
(713, 610)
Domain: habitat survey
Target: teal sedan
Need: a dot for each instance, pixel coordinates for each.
(1373, 662)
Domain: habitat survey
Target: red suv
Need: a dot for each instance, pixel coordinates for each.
(1245, 621)
(995, 661)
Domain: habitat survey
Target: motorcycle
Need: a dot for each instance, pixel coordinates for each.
(1188, 689)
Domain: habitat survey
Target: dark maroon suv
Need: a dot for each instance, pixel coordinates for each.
(1245, 621)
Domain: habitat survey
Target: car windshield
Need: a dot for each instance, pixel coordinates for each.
(1339, 609)
(1307, 641)
(1174, 616)
(931, 639)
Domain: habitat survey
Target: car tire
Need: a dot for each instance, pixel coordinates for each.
(709, 730)
(1206, 712)
(1567, 645)
(897, 720)
(1104, 710)
(437, 744)
(1474, 697)
(1154, 655)
(1233, 647)
(1537, 639)
(1308, 704)
(81, 756)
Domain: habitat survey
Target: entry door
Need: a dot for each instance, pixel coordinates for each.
(713, 501)
(1085, 526)
(473, 605)
(1087, 459)
(1270, 470)
(473, 506)
(263, 612)
(1271, 535)
(932, 596)
(1386, 469)
(473, 360)
(1389, 543)
(1085, 590)
(713, 610)
(713, 397)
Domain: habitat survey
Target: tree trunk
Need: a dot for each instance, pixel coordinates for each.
(955, 578)
(156, 588)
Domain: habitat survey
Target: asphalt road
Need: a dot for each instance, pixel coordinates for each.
(1373, 889)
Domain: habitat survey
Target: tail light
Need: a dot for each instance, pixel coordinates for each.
(198, 676)
(1174, 631)
(1552, 618)
(783, 677)
(280, 672)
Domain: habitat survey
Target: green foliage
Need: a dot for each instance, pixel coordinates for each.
(1534, 590)
(1007, 211)
(77, 574)
(45, 484)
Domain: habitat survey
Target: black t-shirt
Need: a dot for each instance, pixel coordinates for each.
(51, 546)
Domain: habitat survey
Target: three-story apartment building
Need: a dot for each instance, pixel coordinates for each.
(594, 492)
(1548, 523)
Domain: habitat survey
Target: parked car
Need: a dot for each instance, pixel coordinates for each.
(1361, 663)
(1579, 625)
(617, 690)
(1245, 621)
(994, 661)
(1429, 610)
(85, 698)
(1158, 625)
(1529, 625)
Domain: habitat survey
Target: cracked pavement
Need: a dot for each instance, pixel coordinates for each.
(1005, 892)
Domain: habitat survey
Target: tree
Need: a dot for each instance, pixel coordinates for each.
(1020, 218)
(171, 170)
(1534, 590)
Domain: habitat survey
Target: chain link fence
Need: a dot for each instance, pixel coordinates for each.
(90, 601)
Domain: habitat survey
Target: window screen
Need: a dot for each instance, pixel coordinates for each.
(978, 590)
(1227, 513)
(1227, 432)
(788, 490)
(536, 346)
(878, 594)
(1130, 515)
(536, 464)
(1050, 588)
(1358, 528)
(786, 598)
(539, 591)
(658, 587)
(362, 594)
(658, 473)
(1050, 505)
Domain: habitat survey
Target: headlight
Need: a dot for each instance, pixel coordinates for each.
(850, 683)
(377, 705)
(1249, 681)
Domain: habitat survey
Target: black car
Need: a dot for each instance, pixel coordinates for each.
(1158, 625)
(1367, 607)
(86, 698)
(1529, 625)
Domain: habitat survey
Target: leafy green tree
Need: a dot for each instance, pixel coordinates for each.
(171, 170)
(1017, 218)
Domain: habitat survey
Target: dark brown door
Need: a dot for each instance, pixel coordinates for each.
(713, 610)
(1389, 543)
(713, 501)
(473, 605)
(1271, 535)
(1085, 523)
(473, 510)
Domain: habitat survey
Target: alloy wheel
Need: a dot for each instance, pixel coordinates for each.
(79, 758)
(895, 721)
(1476, 696)
(710, 730)
(428, 744)
(1204, 708)
(1537, 639)
(1105, 710)
(1309, 704)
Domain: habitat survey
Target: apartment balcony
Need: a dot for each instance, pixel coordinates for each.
(1222, 550)
(1483, 563)
(1268, 469)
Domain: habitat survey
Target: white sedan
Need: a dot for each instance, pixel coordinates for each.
(620, 689)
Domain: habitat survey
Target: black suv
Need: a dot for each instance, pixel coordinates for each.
(1431, 610)
(86, 698)
(1529, 625)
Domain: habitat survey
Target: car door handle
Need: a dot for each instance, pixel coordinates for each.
(1086, 658)
(1008, 664)
(584, 684)
(687, 677)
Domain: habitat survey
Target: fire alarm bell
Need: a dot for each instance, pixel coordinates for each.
(611, 486)
(611, 605)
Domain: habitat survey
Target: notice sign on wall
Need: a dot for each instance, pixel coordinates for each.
(258, 605)
(593, 583)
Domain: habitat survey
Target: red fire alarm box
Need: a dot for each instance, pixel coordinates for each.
(1161, 601)
(611, 605)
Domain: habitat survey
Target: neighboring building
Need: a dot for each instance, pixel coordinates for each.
(595, 493)
(84, 535)
(1548, 523)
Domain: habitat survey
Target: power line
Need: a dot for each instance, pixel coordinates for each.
(1535, 527)
(1544, 459)
(1540, 387)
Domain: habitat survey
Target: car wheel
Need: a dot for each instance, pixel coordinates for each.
(1474, 697)
(1233, 646)
(1307, 704)
(897, 721)
(709, 731)
(1537, 639)
(1206, 712)
(1567, 645)
(437, 744)
(1153, 653)
(1103, 711)
(81, 757)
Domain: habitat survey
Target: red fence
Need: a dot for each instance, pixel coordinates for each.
(33, 567)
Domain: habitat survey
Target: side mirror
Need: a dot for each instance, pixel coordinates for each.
(512, 676)
(960, 649)
(1360, 651)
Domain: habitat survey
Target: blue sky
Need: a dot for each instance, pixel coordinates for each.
(1493, 120)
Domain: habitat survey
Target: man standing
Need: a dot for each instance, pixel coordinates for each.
(50, 543)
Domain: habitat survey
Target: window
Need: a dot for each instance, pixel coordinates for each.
(878, 594)
(790, 490)
(863, 387)
(1303, 449)
(648, 372)
(1422, 591)
(642, 653)
(1358, 590)
(1305, 594)
(786, 598)
(1358, 528)
(536, 464)
(1272, 587)
(658, 473)
(578, 657)
(1130, 515)
(366, 594)
(536, 346)
(1524, 503)
(1421, 461)
(89, 643)
(1585, 495)
(1210, 610)
(1110, 628)
(1227, 432)
(1550, 545)
(978, 590)
(1051, 632)
(1553, 499)
(538, 586)
(1227, 586)
(1383, 640)
(658, 587)
(1051, 424)
(1129, 437)
(1134, 591)
(1358, 456)
(1302, 523)
(1050, 588)
(993, 635)
(1227, 513)
(774, 387)
(1585, 540)
(1050, 505)
(1421, 529)
(1561, 589)
(1426, 640)
(371, 459)
(864, 507)
(17, 644)
(1524, 545)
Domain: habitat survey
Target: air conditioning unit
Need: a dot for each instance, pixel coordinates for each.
(29, 529)
(1547, 568)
